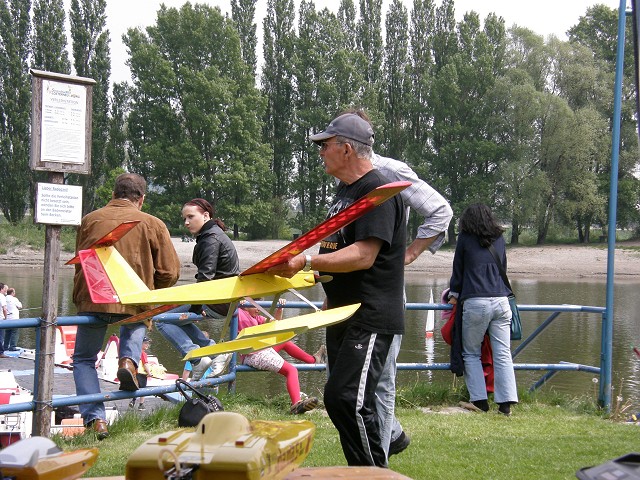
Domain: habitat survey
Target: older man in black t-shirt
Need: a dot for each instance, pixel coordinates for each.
(366, 260)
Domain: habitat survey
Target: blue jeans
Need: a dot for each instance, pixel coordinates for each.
(10, 338)
(490, 315)
(390, 428)
(185, 336)
(89, 341)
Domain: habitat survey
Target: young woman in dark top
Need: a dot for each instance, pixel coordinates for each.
(477, 284)
(215, 257)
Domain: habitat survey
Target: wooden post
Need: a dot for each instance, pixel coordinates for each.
(61, 118)
(43, 383)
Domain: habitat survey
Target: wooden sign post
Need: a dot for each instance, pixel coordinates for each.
(61, 116)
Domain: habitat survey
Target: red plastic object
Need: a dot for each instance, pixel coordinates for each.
(98, 282)
(109, 239)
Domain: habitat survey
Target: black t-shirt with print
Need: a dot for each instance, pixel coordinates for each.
(380, 288)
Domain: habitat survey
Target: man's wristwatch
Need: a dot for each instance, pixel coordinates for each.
(307, 265)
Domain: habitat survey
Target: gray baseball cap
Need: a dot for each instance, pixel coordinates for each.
(348, 125)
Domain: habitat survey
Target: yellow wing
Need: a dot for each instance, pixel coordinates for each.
(256, 338)
(243, 345)
(302, 323)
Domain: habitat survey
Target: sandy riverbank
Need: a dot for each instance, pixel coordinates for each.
(555, 261)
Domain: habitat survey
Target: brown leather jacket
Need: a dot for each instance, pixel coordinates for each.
(147, 248)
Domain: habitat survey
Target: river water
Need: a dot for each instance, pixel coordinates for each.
(572, 337)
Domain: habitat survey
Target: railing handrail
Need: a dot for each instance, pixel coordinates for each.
(232, 375)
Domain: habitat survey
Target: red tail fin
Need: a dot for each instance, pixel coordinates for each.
(100, 287)
(109, 239)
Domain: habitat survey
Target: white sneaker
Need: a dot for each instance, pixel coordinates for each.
(198, 370)
(220, 364)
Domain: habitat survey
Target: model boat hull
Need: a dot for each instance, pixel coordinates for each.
(225, 445)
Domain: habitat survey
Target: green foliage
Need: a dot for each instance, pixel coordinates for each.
(15, 96)
(28, 234)
(482, 113)
(195, 116)
(104, 192)
(49, 38)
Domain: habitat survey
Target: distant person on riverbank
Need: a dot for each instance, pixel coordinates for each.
(3, 316)
(215, 257)
(477, 287)
(434, 208)
(268, 359)
(13, 313)
(149, 251)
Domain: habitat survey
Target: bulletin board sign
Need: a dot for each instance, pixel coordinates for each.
(58, 204)
(61, 110)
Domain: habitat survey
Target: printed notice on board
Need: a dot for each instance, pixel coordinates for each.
(58, 204)
(63, 122)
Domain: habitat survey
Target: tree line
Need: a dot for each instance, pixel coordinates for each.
(481, 111)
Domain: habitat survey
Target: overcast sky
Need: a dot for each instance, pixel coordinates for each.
(544, 17)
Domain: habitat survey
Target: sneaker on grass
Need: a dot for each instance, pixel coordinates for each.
(304, 405)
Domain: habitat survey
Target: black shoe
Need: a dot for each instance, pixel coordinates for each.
(505, 408)
(400, 444)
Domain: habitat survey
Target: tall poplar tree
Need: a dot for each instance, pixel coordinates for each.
(15, 99)
(278, 88)
(91, 58)
(421, 33)
(347, 19)
(243, 13)
(397, 82)
(369, 41)
(49, 39)
(309, 74)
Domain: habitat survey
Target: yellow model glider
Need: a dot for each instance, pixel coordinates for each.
(110, 279)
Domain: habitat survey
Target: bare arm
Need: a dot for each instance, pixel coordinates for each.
(358, 256)
(418, 246)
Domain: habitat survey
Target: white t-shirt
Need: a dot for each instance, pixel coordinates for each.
(3, 303)
(13, 306)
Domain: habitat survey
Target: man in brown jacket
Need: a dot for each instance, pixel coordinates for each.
(149, 251)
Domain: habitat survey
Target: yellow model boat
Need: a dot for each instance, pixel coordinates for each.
(224, 445)
(38, 458)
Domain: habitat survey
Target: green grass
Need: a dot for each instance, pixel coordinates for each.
(548, 436)
(28, 234)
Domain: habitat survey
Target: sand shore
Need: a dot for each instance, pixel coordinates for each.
(553, 261)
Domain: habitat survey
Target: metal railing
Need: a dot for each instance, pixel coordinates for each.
(231, 377)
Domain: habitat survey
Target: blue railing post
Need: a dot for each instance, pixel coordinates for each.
(607, 327)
